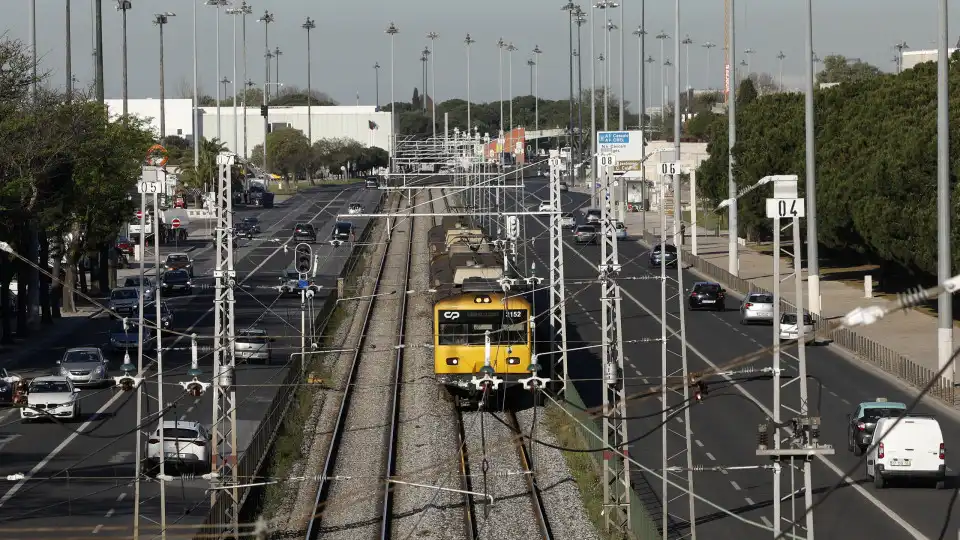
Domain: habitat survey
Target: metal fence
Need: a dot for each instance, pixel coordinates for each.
(864, 348)
(254, 457)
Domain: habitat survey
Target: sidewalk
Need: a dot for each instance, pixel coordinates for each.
(911, 335)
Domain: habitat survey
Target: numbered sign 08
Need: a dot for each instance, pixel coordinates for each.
(608, 160)
(786, 208)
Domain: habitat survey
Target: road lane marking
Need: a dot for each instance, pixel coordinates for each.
(735, 485)
(122, 496)
(852, 483)
(110, 513)
(96, 530)
(766, 521)
(106, 406)
(709, 455)
(700, 444)
(749, 501)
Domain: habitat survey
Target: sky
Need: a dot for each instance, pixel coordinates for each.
(349, 39)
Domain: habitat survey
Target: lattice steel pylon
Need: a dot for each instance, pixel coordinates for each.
(558, 310)
(223, 442)
(616, 467)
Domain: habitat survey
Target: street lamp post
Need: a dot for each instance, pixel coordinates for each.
(501, 44)
(266, 19)
(780, 57)
(376, 82)
(510, 49)
(662, 36)
(196, 95)
(571, 8)
(425, 73)
(536, 97)
(686, 42)
(218, 4)
(530, 64)
(69, 52)
(749, 58)
(225, 81)
(160, 19)
(308, 26)
(233, 12)
(708, 45)
(122, 6)
(392, 31)
(432, 36)
(276, 54)
(580, 18)
(607, 74)
(641, 34)
(468, 41)
(242, 11)
(944, 205)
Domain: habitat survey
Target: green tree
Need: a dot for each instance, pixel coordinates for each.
(205, 173)
(289, 152)
(839, 69)
(747, 93)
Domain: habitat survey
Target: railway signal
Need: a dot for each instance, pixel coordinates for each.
(194, 387)
(303, 258)
(128, 381)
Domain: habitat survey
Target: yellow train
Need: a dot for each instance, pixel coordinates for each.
(476, 323)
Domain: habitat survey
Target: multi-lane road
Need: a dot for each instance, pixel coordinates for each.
(79, 475)
(724, 425)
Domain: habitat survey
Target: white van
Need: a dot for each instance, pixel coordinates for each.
(912, 448)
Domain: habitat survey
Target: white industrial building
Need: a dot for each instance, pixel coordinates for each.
(909, 59)
(361, 123)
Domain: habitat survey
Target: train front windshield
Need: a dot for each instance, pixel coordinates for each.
(470, 327)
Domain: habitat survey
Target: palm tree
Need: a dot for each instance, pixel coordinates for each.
(204, 175)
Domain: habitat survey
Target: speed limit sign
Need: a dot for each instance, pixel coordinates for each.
(668, 168)
(608, 160)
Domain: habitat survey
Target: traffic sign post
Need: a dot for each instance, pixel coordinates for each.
(175, 223)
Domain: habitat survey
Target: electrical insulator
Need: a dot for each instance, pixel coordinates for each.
(195, 388)
(763, 440)
(610, 373)
(126, 382)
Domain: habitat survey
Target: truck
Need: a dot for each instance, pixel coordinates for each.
(167, 232)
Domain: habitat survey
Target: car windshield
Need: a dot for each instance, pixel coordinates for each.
(670, 248)
(585, 229)
(302, 227)
(49, 387)
(251, 220)
(123, 294)
(791, 318)
(254, 337)
(355, 206)
(708, 288)
(134, 282)
(873, 414)
(80, 357)
(343, 228)
(176, 276)
(761, 298)
(593, 213)
(178, 259)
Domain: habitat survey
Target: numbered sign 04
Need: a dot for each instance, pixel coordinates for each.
(786, 208)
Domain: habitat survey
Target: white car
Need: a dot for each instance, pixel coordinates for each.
(788, 327)
(567, 221)
(354, 209)
(910, 448)
(184, 443)
(544, 207)
(51, 397)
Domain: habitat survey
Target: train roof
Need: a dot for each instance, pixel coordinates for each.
(448, 271)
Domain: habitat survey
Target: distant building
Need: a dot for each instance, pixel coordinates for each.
(362, 123)
(909, 59)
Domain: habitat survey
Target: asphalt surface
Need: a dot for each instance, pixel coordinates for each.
(79, 474)
(724, 425)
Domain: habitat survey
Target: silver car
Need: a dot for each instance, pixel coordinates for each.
(757, 307)
(124, 301)
(253, 344)
(149, 287)
(84, 366)
(124, 338)
(568, 221)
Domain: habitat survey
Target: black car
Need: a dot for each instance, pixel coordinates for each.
(304, 232)
(657, 254)
(707, 295)
(372, 182)
(253, 223)
(244, 230)
(862, 423)
(176, 282)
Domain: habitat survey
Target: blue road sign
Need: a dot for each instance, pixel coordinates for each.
(598, 184)
(614, 137)
(303, 284)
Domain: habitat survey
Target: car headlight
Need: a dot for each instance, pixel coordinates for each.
(189, 283)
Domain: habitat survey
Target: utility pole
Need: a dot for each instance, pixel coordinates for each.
(944, 205)
(530, 64)
(510, 49)
(535, 90)
(266, 19)
(424, 58)
(780, 57)
(197, 128)
(224, 432)
(813, 256)
(608, 78)
(571, 8)
(468, 41)
(122, 6)
(558, 310)
(69, 52)
(245, 10)
(733, 256)
(376, 82)
(161, 405)
(662, 36)
(432, 36)
(98, 53)
(641, 34)
(501, 137)
(622, 89)
(686, 87)
(593, 112)
(308, 26)
(580, 18)
(160, 19)
(616, 469)
(218, 4)
(233, 100)
(804, 436)
(681, 298)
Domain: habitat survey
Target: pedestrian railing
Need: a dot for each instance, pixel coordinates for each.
(864, 348)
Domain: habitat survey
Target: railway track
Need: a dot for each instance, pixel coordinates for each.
(346, 504)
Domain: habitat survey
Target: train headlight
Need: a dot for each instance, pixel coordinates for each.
(513, 361)
(453, 361)
(481, 300)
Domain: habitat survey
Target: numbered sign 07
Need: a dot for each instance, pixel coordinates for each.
(786, 208)
(608, 160)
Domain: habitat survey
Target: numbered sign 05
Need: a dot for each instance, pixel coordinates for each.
(608, 160)
(786, 208)
(149, 187)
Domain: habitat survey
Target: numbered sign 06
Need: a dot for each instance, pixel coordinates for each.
(786, 208)
(608, 160)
